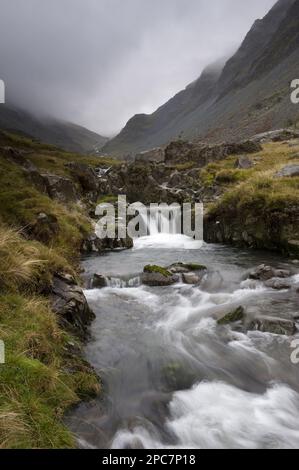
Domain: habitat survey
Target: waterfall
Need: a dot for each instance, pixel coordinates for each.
(163, 220)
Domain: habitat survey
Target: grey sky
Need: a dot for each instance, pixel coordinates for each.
(98, 62)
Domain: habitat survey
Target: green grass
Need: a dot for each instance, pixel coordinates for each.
(37, 383)
(21, 203)
(257, 201)
(42, 376)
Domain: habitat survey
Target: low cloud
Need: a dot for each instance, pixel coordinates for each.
(98, 62)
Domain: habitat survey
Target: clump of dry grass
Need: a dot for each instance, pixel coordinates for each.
(20, 262)
(13, 429)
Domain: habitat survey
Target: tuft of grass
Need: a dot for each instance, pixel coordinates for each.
(20, 261)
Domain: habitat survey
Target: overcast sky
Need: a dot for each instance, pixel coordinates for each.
(99, 62)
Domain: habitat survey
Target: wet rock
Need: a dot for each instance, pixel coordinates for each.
(191, 278)
(70, 305)
(94, 244)
(278, 284)
(232, 317)
(177, 376)
(279, 326)
(61, 188)
(264, 273)
(180, 268)
(288, 171)
(98, 281)
(244, 163)
(158, 276)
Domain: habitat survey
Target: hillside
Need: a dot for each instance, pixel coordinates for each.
(250, 95)
(65, 135)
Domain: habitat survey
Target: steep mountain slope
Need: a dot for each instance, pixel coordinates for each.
(62, 134)
(250, 95)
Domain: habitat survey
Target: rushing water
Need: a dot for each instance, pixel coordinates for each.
(173, 378)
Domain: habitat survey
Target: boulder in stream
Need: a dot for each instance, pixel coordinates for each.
(158, 276)
(275, 325)
(232, 317)
(98, 281)
(264, 273)
(181, 268)
(278, 284)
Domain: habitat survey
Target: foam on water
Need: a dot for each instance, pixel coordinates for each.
(216, 415)
(167, 240)
(233, 398)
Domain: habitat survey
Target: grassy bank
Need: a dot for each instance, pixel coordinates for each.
(256, 208)
(43, 374)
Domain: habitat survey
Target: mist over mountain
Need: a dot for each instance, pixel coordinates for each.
(247, 95)
(67, 135)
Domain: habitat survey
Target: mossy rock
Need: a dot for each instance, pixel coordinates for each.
(180, 268)
(177, 377)
(232, 317)
(150, 269)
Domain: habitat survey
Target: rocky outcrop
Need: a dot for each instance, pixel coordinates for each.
(154, 155)
(289, 171)
(279, 135)
(251, 226)
(70, 305)
(61, 188)
(202, 153)
(86, 177)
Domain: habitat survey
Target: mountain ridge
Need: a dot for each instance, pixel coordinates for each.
(250, 94)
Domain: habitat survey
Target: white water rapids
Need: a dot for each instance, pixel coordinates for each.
(174, 378)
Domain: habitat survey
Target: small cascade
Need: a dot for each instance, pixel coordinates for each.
(122, 283)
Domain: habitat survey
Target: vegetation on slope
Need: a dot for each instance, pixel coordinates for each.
(256, 208)
(43, 374)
